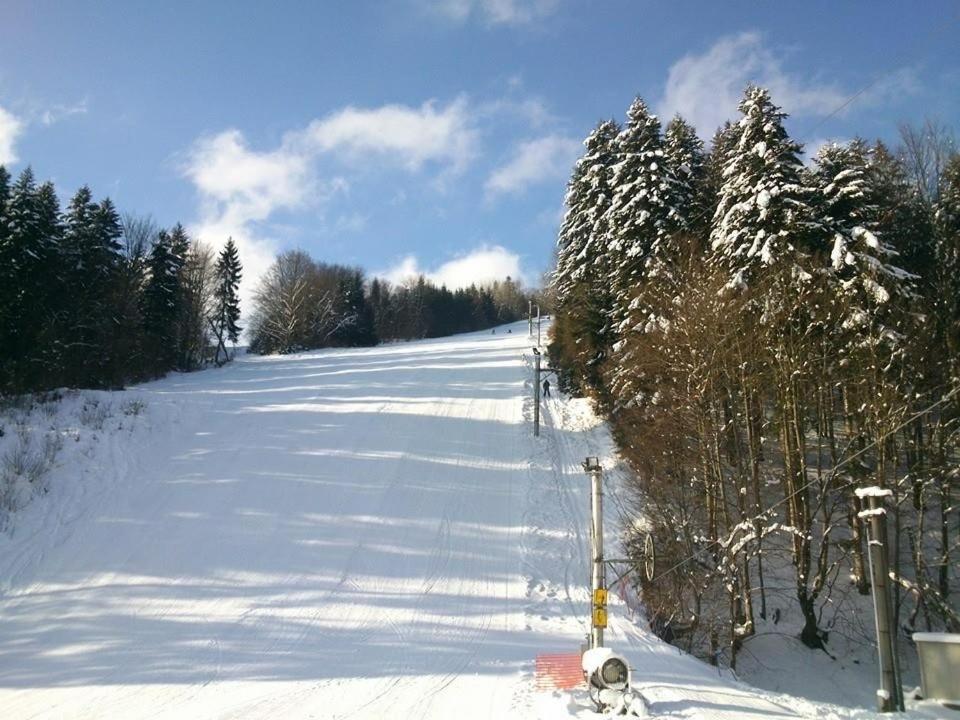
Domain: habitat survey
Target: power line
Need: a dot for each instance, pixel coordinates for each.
(873, 83)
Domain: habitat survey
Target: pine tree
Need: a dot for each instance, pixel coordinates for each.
(904, 215)
(862, 262)
(90, 257)
(160, 303)
(356, 328)
(642, 213)
(179, 245)
(947, 249)
(581, 334)
(23, 270)
(226, 313)
(685, 157)
(763, 216)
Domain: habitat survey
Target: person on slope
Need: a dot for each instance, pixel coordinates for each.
(546, 388)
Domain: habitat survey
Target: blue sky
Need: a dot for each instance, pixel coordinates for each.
(423, 135)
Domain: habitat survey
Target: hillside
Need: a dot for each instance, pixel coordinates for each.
(353, 533)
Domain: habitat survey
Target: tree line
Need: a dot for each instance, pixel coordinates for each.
(303, 304)
(88, 299)
(766, 337)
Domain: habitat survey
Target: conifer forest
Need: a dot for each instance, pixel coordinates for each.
(765, 337)
(90, 299)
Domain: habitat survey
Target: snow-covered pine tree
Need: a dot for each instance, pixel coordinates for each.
(642, 214)
(683, 160)
(763, 215)
(721, 145)
(581, 280)
(685, 157)
(904, 215)
(645, 218)
(863, 264)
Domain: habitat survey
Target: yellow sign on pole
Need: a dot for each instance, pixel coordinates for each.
(600, 617)
(600, 596)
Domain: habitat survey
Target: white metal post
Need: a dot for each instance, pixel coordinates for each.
(530, 318)
(598, 575)
(890, 694)
(538, 326)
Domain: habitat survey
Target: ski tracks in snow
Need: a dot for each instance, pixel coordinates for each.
(341, 534)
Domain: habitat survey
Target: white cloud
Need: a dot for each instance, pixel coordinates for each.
(535, 161)
(241, 188)
(494, 12)
(707, 88)
(10, 129)
(480, 266)
(413, 136)
(244, 184)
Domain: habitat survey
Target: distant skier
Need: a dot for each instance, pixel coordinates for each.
(546, 388)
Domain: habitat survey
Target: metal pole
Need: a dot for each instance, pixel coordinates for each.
(890, 694)
(536, 393)
(530, 318)
(597, 581)
(538, 326)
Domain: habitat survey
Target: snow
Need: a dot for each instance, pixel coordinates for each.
(839, 254)
(359, 533)
(861, 233)
(873, 491)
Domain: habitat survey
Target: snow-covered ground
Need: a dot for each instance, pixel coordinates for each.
(342, 534)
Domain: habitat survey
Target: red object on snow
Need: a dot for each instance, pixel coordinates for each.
(558, 671)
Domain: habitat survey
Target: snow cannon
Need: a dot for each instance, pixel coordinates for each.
(608, 681)
(605, 670)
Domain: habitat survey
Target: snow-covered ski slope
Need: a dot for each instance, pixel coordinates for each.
(342, 534)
